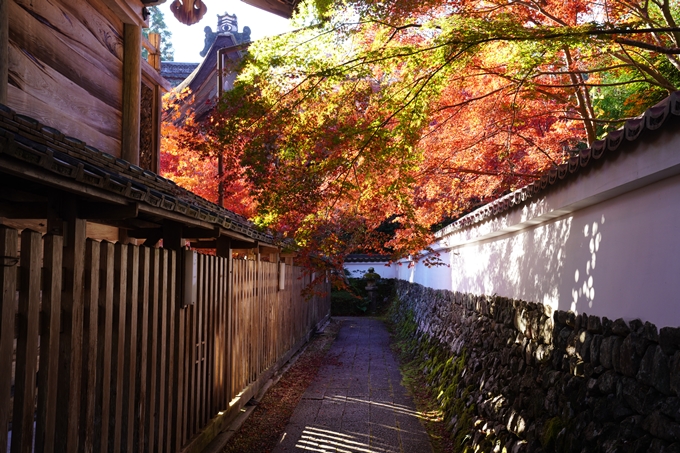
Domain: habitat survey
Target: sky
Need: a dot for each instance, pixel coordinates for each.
(188, 40)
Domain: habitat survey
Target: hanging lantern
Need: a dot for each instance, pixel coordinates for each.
(188, 11)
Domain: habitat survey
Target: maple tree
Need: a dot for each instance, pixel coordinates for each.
(189, 157)
(415, 112)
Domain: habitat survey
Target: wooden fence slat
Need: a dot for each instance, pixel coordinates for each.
(90, 337)
(118, 349)
(105, 353)
(9, 244)
(155, 334)
(190, 384)
(222, 327)
(229, 331)
(178, 372)
(172, 302)
(209, 340)
(49, 340)
(200, 343)
(164, 371)
(142, 349)
(27, 342)
(71, 340)
(130, 378)
(186, 368)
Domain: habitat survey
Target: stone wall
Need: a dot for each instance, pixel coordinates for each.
(527, 381)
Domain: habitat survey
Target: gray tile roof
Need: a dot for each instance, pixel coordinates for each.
(37, 145)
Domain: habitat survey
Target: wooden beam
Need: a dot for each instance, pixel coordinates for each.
(24, 210)
(243, 244)
(106, 211)
(204, 244)
(145, 233)
(4, 49)
(132, 92)
(200, 233)
(128, 224)
(153, 77)
(223, 247)
(267, 248)
(130, 12)
(172, 236)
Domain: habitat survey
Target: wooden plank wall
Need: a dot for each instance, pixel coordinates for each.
(65, 68)
(151, 376)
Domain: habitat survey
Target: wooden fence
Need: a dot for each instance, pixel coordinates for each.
(96, 353)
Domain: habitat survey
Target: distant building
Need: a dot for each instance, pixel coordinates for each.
(175, 72)
(227, 24)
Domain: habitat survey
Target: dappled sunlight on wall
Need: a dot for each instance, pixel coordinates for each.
(583, 294)
(527, 264)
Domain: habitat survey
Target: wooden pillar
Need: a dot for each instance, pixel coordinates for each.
(4, 49)
(224, 249)
(9, 246)
(71, 341)
(132, 92)
(172, 236)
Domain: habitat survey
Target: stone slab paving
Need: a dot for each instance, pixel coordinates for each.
(357, 402)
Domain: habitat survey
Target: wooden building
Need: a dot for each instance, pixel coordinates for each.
(118, 337)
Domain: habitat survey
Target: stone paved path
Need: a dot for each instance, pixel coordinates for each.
(357, 402)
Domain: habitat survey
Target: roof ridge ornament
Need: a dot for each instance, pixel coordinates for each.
(188, 11)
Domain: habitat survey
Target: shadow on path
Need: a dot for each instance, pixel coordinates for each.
(357, 402)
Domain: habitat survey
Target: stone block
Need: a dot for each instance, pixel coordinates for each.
(636, 325)
(669, 339)
(644, 374)
(662, 427)
(581, 322)
(620, 328)
(675, 373)
(563, 338)
(585, 338)
(616, 350)
(632, 350)
(661, 371)
(649, 332)
(595, 345)
(670, 407)
(633, 394)
(594, 324)
(560, 317)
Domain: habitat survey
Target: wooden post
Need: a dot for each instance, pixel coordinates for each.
(9, 245)
(155, 55)
(71, 341)
(132, 92)
(4, 49)
(49, 339)
(172, 236)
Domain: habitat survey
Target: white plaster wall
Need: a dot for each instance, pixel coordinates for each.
(607, 243)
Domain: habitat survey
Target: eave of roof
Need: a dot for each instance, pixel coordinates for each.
(36, 146)
(610, 146)
(366, 258)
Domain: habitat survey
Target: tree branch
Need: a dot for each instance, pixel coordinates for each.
(646, 46)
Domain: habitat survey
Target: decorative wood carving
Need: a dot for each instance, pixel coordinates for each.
(188, 11)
